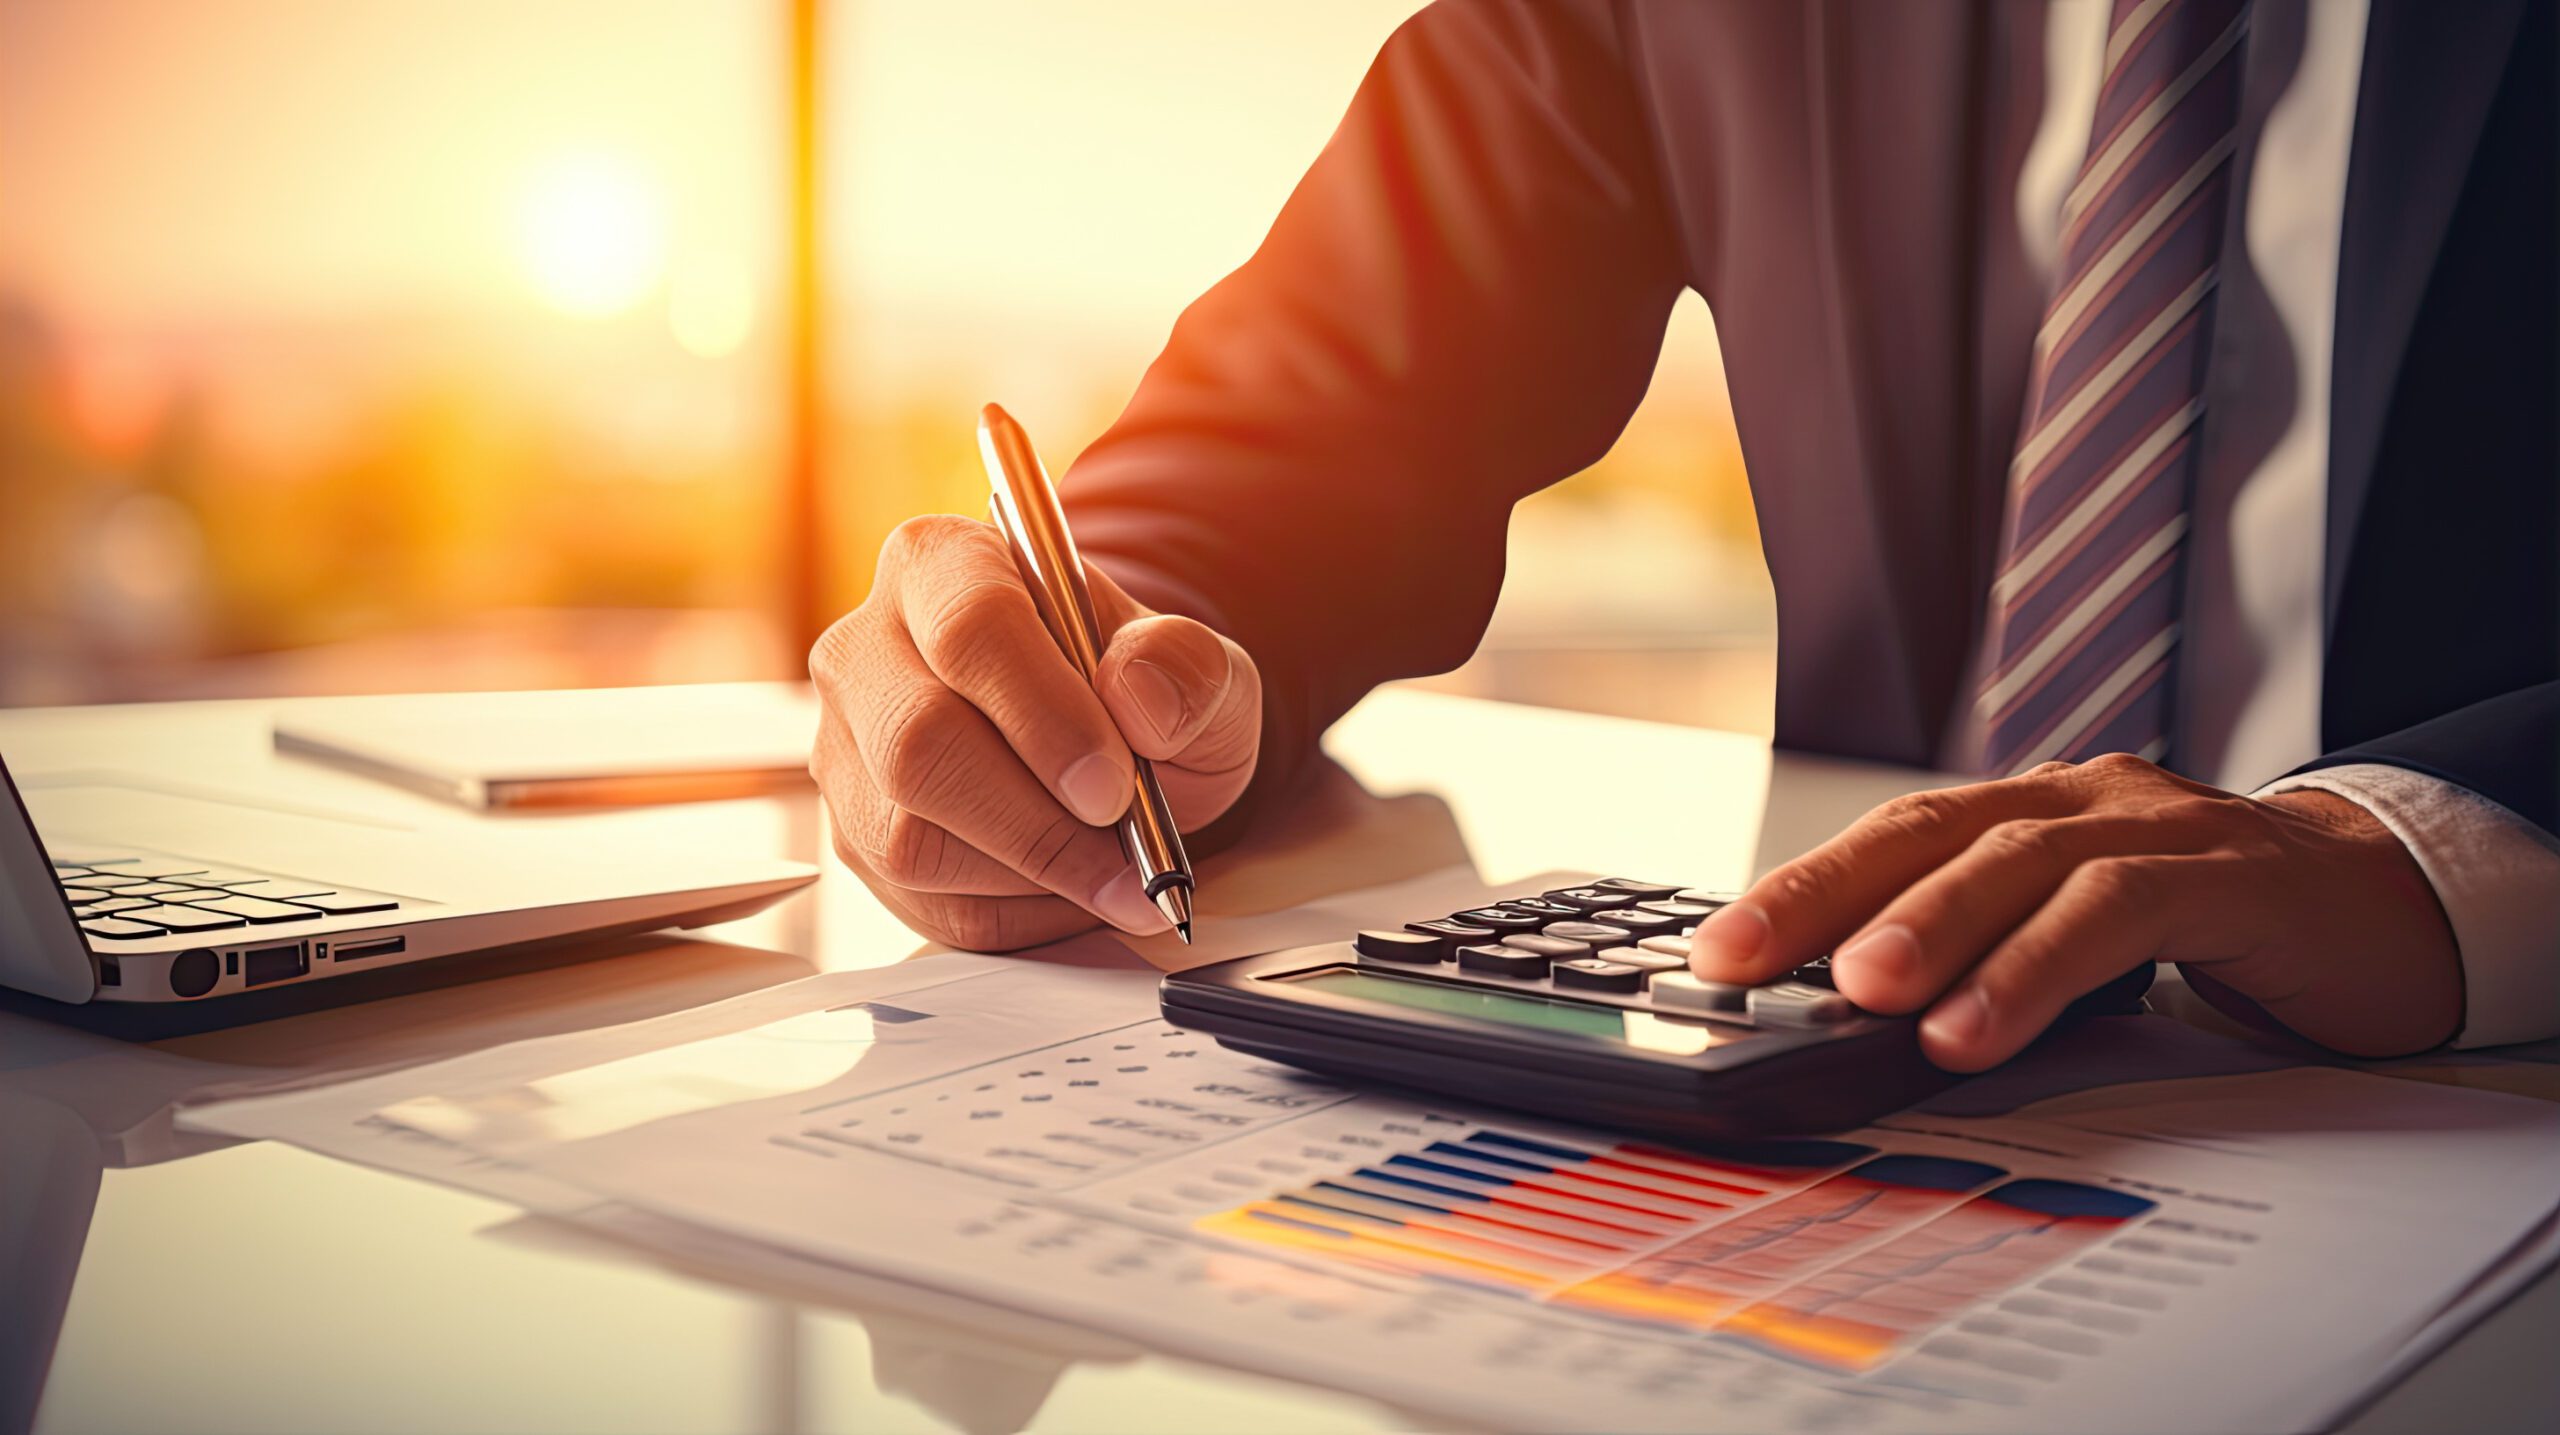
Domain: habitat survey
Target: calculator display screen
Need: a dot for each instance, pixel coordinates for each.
(1526, 1009)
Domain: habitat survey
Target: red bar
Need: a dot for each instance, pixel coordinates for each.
(1570, 1216)
(1595, 1200)
(1534, 1231)
(1648, 1191)
(1613, 1161)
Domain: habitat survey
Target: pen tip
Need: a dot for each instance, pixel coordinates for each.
(1175, 902)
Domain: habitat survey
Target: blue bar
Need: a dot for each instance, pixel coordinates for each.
(1375, 1174)
(1339, 1211)
(1449, 1149)
(1523, 1143)
(1443, 1168)
(1374, 1196)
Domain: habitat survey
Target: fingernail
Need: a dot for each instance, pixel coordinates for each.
(1959, 1021)
(1735, 934)
(1887, 954)
(1096, 789)
(1123, 903)
(1158, 696)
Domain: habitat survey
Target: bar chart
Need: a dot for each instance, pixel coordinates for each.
(1832, 1254)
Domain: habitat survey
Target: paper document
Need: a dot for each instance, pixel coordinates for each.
(2228, 1252)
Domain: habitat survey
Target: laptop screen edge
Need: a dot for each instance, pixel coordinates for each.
(41, 949)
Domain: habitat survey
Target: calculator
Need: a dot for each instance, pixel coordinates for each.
(1578, 1003)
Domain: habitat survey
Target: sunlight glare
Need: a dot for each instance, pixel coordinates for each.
(594, 230)
(711, 305)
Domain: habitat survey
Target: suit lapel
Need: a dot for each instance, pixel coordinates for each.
(2430, 72)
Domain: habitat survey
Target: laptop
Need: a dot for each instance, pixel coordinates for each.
(127, 889)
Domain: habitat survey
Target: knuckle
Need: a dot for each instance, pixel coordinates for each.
(2047, 771)
(921, 535)
(1914, 816)
(920, 746)
(974, 619)
(832, 658)
(2116, 765)
(2117, 880)
(2027, 839)
(913, 852)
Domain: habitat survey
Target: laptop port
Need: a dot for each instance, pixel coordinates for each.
(272, 964)
(379, 947)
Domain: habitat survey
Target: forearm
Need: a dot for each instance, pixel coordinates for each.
(1460, 304)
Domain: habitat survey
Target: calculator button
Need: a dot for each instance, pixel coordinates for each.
(1686, 992)
(1667, 945)
(1408, 947)
(1587, 899)
(1685, 913)
(83, 896)
(1814, 973)
(1503, 962)
(1705, 898)
(1641, 891)
(1642, 924)
(1798, 1004)
(1452, 935)
(112, 879)
(1499, 919)
(113, 905)
(1554, 949)
(1595, 933)
(1593, 974)
(1544, 910)
(1639, 957)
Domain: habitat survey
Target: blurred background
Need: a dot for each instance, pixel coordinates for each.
(394, 345)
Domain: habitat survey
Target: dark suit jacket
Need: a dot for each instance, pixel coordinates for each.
(1463, 301)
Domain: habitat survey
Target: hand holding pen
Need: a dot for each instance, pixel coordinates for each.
(974, 777)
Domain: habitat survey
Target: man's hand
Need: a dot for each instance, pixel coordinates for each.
(1993, 906)
(971, 774)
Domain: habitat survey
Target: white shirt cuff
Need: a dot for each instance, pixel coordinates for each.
(2497, 877)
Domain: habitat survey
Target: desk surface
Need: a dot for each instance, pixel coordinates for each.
(255, 1287)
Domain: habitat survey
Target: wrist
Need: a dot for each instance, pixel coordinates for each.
(2405, 939)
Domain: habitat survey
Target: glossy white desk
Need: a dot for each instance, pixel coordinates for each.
(256, 1288)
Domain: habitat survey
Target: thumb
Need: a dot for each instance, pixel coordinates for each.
(1181, 693)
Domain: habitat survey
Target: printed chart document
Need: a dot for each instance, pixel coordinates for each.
(2246, 1250)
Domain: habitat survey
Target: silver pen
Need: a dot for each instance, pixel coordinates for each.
(1024, 507)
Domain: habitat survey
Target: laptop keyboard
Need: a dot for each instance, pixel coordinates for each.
(126, 897)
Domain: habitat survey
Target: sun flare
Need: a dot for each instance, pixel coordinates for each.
(594, 234)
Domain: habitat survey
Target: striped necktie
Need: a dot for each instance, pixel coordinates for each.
(2083, 617)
